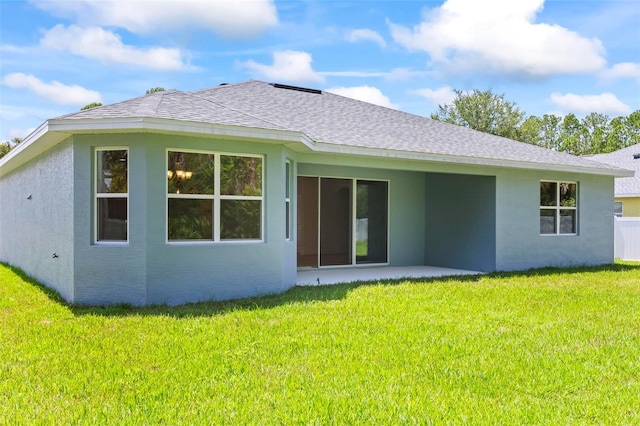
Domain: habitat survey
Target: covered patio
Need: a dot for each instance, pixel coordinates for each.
(321, 276)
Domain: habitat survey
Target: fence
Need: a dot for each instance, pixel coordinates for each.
(627, 238)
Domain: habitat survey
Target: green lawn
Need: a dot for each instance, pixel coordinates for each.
(542, 347)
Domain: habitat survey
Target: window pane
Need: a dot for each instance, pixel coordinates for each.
(371, 222)
(548, 192)
(112, 172)
(190, 219)
(240, 219)
(240, 175)
(617, 208)
(112, 219)
(567, 221)
(568, 194)
(288, 180)
(288, 219)
(547, 221)
(190, 173)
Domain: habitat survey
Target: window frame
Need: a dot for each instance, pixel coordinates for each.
(288, 175)
(558, 208)
(101, 195)
(215, 198)
(615, 213)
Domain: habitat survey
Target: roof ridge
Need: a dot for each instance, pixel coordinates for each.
(150, 96)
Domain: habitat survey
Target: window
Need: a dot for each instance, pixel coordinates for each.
(213, 197)
(112, 195)
(558, 208)
(617, 209)
(287, 200)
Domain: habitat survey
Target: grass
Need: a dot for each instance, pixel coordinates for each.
(539, 347)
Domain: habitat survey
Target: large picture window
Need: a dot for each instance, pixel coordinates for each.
(112, 195)
(558, 208)
(213, 197)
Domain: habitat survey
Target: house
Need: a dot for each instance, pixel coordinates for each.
(627, 190)
(227, 192)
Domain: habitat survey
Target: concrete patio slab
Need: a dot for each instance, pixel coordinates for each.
(315, 276)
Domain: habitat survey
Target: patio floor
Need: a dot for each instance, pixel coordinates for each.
(315, 276)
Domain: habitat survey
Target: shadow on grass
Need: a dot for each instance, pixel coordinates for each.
(295, 295)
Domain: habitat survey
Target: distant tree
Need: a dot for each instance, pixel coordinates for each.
(484, 111)
(625, 131)
(6, 146)
(154, 90)
(530, 130)
(596, 128)
(91, 105)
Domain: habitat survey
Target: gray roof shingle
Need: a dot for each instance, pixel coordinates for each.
(624, 159)
(331, 119)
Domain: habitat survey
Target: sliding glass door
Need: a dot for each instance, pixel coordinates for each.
(342, 221)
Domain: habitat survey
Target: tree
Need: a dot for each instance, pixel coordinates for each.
(484, 111)
(625, 131)
(596, 128)
(5, 146)
(154, 90)
(91, 105)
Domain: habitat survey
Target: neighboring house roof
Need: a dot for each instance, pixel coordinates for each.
(624, 158)
(314, 120)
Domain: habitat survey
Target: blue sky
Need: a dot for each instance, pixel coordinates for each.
(547, 56)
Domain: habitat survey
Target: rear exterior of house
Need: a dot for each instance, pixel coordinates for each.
(120, 204)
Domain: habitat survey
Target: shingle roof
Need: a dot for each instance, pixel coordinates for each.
(331, 119)
(624, 159)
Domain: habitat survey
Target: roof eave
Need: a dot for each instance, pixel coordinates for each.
(54, 131)
(457, 159)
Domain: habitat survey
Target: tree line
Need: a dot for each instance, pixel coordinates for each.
(491, 113)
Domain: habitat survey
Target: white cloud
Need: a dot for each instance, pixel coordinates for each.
(622, 70)
(54, 91)
(228, 18)
(366, 35)
(499, 37)
(605, 103)
(288, 65)
(107, 47)
(441, 96)
(355, 74)
(404, 74)
(373, 95)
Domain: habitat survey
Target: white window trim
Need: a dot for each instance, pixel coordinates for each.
(559, 207)
(97, 195)
(216, 198)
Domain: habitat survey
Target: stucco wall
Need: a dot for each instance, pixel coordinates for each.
(630, 206)
(32, 230)
(519, 244)
(150, 270)
(461, 221)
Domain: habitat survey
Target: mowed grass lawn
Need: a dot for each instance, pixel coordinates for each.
(540, 347)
